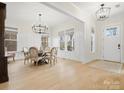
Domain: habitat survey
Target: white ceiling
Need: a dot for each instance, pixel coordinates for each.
(28, 12)
(91, 7)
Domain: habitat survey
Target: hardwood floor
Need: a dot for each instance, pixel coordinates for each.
(65, 75)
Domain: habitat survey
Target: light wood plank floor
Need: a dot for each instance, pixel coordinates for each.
(65, 75)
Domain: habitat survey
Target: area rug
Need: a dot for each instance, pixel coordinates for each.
(107, 66)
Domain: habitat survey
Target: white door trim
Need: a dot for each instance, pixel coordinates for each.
(120, 28)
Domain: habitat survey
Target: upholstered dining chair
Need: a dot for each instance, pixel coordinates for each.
(26, 54)
(52, 57)
(55, 54)
(33, 51)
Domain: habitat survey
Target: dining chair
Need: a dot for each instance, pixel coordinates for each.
(26, 55)
(33, 51)
(55, 54)
(52, 57)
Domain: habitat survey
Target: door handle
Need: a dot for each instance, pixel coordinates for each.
(118, 46)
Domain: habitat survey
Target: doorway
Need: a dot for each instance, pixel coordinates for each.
(112, 43)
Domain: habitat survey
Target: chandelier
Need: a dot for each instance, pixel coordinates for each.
(39, 28)
(103, 13)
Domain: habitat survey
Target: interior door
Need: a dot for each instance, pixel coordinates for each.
(112, 49)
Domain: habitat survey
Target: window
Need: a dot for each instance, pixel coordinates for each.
(66, 39)
(111, 31)
(10, 39)
(62, 40)
(70, 39)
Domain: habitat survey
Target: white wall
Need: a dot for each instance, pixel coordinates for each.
(82, 52)
(25, 37)
(83, 33)
(78, 53)
(89, 22)
(115, 20)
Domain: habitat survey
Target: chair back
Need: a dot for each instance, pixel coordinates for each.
(26, 51)
(41, 48)
(47, 49)
(33, 51)
(54, 51)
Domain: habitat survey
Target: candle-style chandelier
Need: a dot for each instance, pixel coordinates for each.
(103, 13)
(39, 28)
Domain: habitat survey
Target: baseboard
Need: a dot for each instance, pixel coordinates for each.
(103, 60)
(19, 59)
(70, 59)
(74, 60)
(94, 60)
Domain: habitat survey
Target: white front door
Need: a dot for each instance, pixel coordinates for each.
(111, 44)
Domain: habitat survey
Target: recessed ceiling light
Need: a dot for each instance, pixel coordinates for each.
(117, 5)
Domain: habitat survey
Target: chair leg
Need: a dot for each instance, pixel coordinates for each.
(31, 61)
(47, 60)
(50, 62)
(24, 61)
(54, 61)
(35, 63)
(13, 58)
(28, 60)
